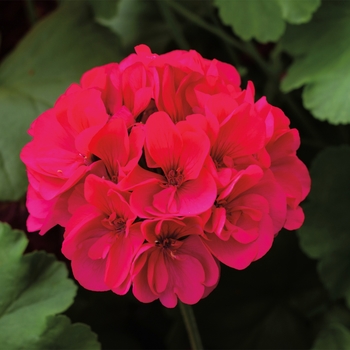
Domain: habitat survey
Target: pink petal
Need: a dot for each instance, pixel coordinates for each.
(188, 277)
(84, 224)
(299, 182)
(119, 261)
(141, 288)
(157, 272)
(141, 200)
(111, 145)
(95, 190)
(136, 140)
(208, 123)
(295, 218)
(124, 114)
(87, 110)
(164, 200)
(142, 98)
(231, 253)
(265, 238)
(89, 273)
(193, 246)
(270, 190)
(121, 256)
(217, 221)
(243, 134)
(168, 299)
(139, 177)
(194, 152)
(123, 288)
(241, 182)
(101, 247)
(163, 141)
(196, 196)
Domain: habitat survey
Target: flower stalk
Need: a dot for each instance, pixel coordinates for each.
(191, 326)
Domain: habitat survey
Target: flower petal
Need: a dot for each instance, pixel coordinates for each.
(163, 141)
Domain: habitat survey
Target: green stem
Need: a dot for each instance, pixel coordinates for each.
(191, 326)
(250, 49)
(229, 48)
(173, 25)
(203, 24)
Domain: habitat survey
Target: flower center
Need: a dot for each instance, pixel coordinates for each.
(169, 245)
(114, 178)
(218, 163)
(86, 160)
(166, 243)
(112, 173)
(220, 204)
(175, 177)
(114, 223)
(150, 109)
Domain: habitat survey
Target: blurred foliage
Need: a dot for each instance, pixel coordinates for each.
(335, 332)
(325, 233)
(285, 300)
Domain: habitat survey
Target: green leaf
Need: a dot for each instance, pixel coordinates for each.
(322, 56)
(334, 336)
(136, 22)
(264, 20)
(104, 9)
(335, 333)
(325, 233)
(61, 334)
(298, 11)
(33, 287)
(12, 244)
(52, 56)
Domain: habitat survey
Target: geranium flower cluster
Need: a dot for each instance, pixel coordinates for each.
(159, 168)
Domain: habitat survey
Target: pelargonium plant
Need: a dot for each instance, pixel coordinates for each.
(160, 168)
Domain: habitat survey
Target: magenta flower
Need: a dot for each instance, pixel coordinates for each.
(102, 238)
(118, 151)
(173, 263)
(246, 216)
(57, 160)
(185, 187)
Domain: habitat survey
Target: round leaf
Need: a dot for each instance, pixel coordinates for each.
(33, 286)
(322, 56)
(264, 20)
(61, 334)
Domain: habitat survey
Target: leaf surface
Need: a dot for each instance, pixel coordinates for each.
(264, 20)
(60, 333)
(334, 336)
(34, 288)
(135, 22)
(321, 64)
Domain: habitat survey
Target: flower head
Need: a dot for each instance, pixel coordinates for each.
(160, 168)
